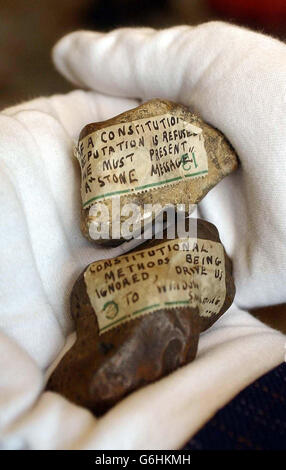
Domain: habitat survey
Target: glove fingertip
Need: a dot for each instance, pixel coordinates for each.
(64, 51)
(59, 54)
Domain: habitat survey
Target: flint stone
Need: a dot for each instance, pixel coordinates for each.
(104, 367)
(203, 161)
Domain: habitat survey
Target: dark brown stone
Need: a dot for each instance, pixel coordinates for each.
(99, 370)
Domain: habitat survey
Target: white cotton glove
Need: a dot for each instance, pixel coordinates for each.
(236, 80)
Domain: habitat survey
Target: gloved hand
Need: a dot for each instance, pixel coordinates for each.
(236, 80)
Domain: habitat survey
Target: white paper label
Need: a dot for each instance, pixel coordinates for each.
(139, 156)
(175, 273)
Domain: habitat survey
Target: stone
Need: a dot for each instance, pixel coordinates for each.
(157, 153)
(138, 316)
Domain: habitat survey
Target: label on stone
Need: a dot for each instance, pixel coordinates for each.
(175, 273)
(139, 156)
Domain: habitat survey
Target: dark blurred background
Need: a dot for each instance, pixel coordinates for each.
(29, 28)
